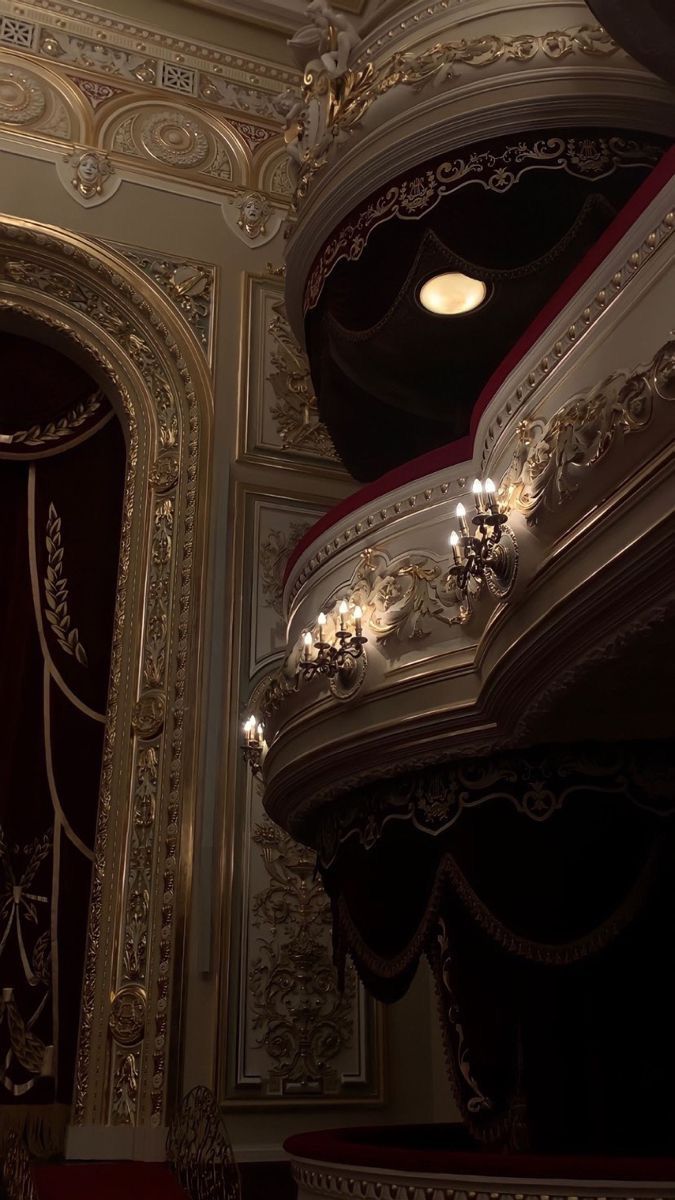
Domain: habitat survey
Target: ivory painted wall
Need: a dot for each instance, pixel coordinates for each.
(148, 215)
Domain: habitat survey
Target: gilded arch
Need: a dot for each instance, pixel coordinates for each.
(86, 296)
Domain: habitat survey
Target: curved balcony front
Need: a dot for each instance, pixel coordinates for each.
(576, 431)
(433, 79)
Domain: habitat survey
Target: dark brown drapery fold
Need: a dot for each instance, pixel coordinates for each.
(62, 465)
(539, 884)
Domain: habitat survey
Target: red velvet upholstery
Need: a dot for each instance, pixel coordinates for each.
(429, 1148)
(107, 1181)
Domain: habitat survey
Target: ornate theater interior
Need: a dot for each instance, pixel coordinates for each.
(337, 758)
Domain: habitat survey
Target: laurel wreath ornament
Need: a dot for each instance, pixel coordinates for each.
(56, 592)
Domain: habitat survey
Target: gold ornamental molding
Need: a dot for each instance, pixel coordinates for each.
(84, 36)
(93, 302)
(220, 131)
(518, 394)
(344, 99)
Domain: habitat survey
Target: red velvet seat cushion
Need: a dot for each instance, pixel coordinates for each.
(447, 1150)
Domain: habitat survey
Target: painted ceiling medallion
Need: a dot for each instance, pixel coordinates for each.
(451, 294)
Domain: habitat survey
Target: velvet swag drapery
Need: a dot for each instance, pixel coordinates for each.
(62, 466)
(540, 885)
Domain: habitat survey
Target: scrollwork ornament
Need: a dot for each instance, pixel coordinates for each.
(148, 715)
(164, 472)
(127, 1015)
(338, 96)
(548, 466)
(96, 300)
(300, 1017)
(496, 170)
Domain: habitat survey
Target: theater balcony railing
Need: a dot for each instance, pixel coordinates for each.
(413, 662)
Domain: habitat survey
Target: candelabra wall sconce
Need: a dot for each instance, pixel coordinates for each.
(486, 553)
(483, 553)
(343, 661)
(254, 745)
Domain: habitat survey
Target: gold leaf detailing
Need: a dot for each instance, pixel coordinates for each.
(127, 1015)
(345, 99)
(296, 412)
(551, 458)
(148, 716)
(56, 431)
(164, 471)
(140, 857)
(125, 1090)
(400, 597)
(56, 593)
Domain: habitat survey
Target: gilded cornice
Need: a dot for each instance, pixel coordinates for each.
(91, 80)
(136, 118)
(47, 29)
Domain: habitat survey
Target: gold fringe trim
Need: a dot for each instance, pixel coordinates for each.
(42, 1128)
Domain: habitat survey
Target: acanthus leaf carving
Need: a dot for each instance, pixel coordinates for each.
(295, 413)
(551, 458)
(300, 1017)
(337, 97)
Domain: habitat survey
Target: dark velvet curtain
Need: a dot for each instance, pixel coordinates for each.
(540, 886)
(62, 464)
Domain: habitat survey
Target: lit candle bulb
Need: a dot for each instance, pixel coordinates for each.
(454, 545)
(490, 493)
(461, 517)
(308, 639)
(358, 613)
(478, 495)
(344, 609)
(321, 622)
(248, 728)
(260, 735)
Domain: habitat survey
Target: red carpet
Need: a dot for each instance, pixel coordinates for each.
(107, 1181)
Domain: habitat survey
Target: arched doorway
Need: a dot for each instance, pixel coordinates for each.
(79, 299)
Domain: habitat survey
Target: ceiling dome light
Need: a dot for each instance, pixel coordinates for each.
(452, 293)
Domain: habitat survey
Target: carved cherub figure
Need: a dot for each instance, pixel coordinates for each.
(331, 34)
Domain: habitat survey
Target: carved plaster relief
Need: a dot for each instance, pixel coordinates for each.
(277, 528)
(29, 103)
(190, 285)
(252, 219)
(92, 39)
(282, 418)
(289, 1035)
(89, 177)
(173, 138)
(300, 1037)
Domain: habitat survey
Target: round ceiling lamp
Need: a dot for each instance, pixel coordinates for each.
(450, 294)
